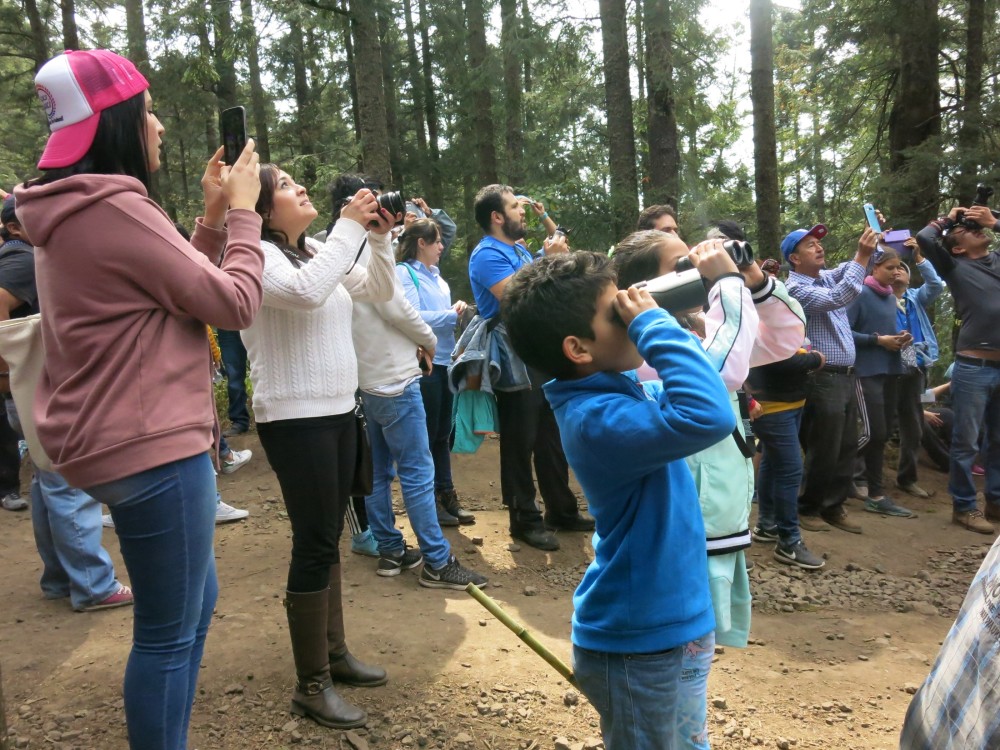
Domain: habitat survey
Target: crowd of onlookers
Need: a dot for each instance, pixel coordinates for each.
(678, 383)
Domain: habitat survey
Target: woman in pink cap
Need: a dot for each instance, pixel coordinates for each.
(124, 405)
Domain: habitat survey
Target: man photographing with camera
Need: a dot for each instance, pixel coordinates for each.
(959, 249)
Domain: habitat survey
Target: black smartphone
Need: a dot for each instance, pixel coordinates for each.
(233, 124)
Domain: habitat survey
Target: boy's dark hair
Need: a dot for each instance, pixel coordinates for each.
(637, 257)
(650, 214)
(488, 200)
(728, 229)
(551, 299)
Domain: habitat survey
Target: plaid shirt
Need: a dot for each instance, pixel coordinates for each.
(957, 706)
(825, 301)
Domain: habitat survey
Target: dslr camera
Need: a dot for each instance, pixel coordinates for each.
(983, 194)
(394, 203)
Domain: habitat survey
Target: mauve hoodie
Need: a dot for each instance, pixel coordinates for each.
(127, 382)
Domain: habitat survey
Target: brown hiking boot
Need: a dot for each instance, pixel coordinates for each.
(838, 517)
(973, 520)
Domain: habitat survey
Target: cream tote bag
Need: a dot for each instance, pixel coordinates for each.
(22, 349)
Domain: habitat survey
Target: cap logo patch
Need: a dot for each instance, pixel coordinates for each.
(49, 103)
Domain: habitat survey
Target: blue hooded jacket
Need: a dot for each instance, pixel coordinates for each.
(647, 588)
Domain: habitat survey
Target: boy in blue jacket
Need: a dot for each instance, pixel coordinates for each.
(645, 595)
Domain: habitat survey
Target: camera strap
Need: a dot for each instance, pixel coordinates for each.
(747, 445)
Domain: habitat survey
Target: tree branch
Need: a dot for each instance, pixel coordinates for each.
(323, 6)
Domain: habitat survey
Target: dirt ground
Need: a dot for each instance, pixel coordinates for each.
(832, 655)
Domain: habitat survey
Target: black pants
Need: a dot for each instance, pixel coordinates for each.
(830, 438)
(937, 440)
(876, 406)
(909, 417)
(10, 457)
(528, 429)
(314, 461)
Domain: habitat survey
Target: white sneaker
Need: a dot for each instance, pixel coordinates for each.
(239, 459)
(225, 513)
(107, 521)
(13, 501)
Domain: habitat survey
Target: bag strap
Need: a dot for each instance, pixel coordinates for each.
(413, 275)
(748, 445)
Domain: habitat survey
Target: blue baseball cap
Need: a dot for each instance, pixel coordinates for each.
(794, 238)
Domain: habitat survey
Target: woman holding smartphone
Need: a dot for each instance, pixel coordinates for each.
(124, 405)
(305, 374)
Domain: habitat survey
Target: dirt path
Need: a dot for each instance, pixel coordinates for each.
(831, 660)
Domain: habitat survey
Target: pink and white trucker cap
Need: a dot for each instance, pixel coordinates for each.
(75, 88)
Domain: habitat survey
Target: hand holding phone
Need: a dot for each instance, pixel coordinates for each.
(872, 218)
(233, 124)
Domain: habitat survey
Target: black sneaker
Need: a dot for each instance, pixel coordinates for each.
(767, 536)
(391, 565)
(797, 554)
(451, 576)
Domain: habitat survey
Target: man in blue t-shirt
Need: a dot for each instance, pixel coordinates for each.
(527, 427)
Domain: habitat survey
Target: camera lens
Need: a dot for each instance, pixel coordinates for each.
(393, 203)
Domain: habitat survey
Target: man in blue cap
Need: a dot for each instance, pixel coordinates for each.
(829, 419)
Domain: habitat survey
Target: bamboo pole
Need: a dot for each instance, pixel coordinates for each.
(521, 632)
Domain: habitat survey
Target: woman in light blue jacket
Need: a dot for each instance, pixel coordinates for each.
(418, 255)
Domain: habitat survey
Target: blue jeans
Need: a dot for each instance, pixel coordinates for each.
(234, 365)
(67, 525)
(438, 401)
(636, 695)
(691, 727)
(780, 473)
(165, 521)
(975, 400)
(397, 427)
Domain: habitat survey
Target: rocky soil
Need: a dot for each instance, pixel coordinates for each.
(834, 656)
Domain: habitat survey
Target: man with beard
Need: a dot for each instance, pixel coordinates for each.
(959, 250)
(527, 426)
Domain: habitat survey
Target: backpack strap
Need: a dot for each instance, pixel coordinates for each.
(413, 275)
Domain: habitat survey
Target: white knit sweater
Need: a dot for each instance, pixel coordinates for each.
(302, 361)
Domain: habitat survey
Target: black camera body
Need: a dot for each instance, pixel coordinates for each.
(983, 194)
(394, 203)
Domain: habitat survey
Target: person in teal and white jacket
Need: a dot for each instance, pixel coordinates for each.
(751, 320)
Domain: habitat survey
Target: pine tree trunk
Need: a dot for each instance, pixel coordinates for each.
(222, 58)
(135, 27)
(480, 98)
(664, 154)
(970, 139)
(435, 195)
(513, 122)
(39, 40)
(387, 26)
(258, 100)
(371, 96)
(347, 29)
(416, 83)
(765, 150)
(621, 130)
(71, 38)
(304, 110)
(915, 118)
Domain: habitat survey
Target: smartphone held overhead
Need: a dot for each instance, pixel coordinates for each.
(233, 125)
(872, 216)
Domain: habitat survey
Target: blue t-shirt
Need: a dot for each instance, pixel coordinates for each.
(491, 261)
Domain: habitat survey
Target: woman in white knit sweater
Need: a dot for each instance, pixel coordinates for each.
(305, 375)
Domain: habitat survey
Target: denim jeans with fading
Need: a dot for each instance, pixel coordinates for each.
(975, 401)
(234, 366)
(165, 521)
(635, 695)
(780, 473)
(397, 428)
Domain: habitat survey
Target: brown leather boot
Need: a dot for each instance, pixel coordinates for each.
(343, 666)
(449, 500)
(314, 695)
